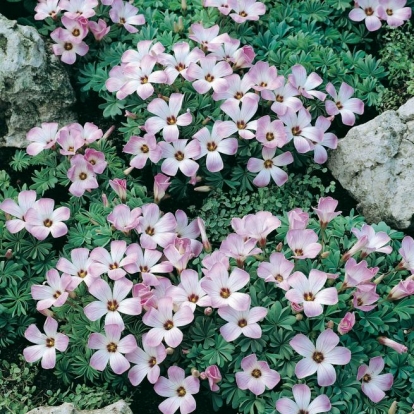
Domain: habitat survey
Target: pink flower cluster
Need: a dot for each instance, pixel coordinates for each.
(76, 23)
(373, 11)
(72, 139)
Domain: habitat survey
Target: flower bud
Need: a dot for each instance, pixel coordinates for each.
(203, 375)
(169, 350)
(128, 170)
(109, 132)
(393, 408)
(330, 324)
(299, 316)
(9, 254)
(185, 351)
(130, 115)
(203, 189)
(72, 295)
(324, 255)
(195, 372)
(208, 311)
(392, 344)
(347, 323)
(184, 5)
(105, 201)
(279, 247)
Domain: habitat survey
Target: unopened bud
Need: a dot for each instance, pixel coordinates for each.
(203, 376)
(206, 121)
(72, 295)
(299, 316)
(195, 372)
(203, 189)
(324, 255)
(378, 280)
(105, 201)
(279, 247)
(128, 170)
(330, 324)
(47, 312)
(184, 5)
(180, 24)
(9, 254)
(393, 408)
(185, 351)
(130, 115)
(109, 132)
(208, 311)
(169, 350)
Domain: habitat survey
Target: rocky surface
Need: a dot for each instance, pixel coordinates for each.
(34, 85)
(120, 407)
(375, 163)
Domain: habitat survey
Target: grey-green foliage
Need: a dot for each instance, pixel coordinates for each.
(300, 190)
(397, 53)
(19, 394)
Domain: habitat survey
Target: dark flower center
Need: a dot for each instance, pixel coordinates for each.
(193, 298)
(339, 105)
(152, 362)
(82, 176)
(113, 266)
(318, 357)
(279, 98)
(303, 412)
(366, 378)
(298, 252)
(241, 124)
(268, 164)
(256, 373)
(243, 14)
(296, 131)
(76, 32)
(150, 231)
(239, 95)
(225, 292)
(144, 149)
(211, 146)
(179, 156)
(168, 325)
(122, 20)
(209, 78)
(360, 302)
(111, 347)
(270, 136)
(389, 12)
(144, 80)
(242, 323)
(279, 278)
(180, 67)
(144, 269)
(181, 391)
(57, 294)
(308, 297)
(48, 223)
(171, 120)
(112, 305)
(68, 46)
(263, 84)
(369, 11)
(50, 342)
(93, 162)
(82, 273)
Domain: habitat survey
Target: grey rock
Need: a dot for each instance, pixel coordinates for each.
(375, 163)
(34, 86)
(120, 407)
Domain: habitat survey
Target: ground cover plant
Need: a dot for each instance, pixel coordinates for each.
(297, 309)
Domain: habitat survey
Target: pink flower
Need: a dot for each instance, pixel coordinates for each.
(53, 295)
(99, 29)
(125, 14)
(82, 176)
(143, 148)
(188, 231)
(326, 210)
(212, 144)
(111, 303)
(89, 132)
(96, 159)
(76, 27)
(375, 241)
(358, 273)
(161, 184)
(179, 156)
(257, 226)
(298, 219)
(47, 8)
(46, 345)
(394, 12)
(146, 263)
(305, 84)
(147, 362)
(123, 218)
(246, 10)
(214, 376)
(329, 140)
(209, 75)
(268, 167)
(70, 140)
(239, 248)
(347, 323)
(241, 322)
(243, 57)
(373, 384)
(78, 8)
(403, 289)
(299, 128)
(221, 5)
(78, 268)
(277, 270)
(320, 358)
(167, 117)
(204, 36)
(144, 48)
(284, 98)
(178, 64)
(237, 89)
(256, 375)
(110, 349)
(365, 297)
(120, 188)
(202, 227)
(113, 262)
(383, 340)
(223, 289)
(154, 228)
(26, 200)
(264, 77)
(179, 253)
(308, 292)
(271, 134)
(367, 10)
(67, 46)
(216, 257)
(42, 138)
(302, 404)
(165, 325)
(189, 292)
(42, 220)
(241, 117)
(179, 390)
(303, 243)
(343, 103)
(406, 251)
